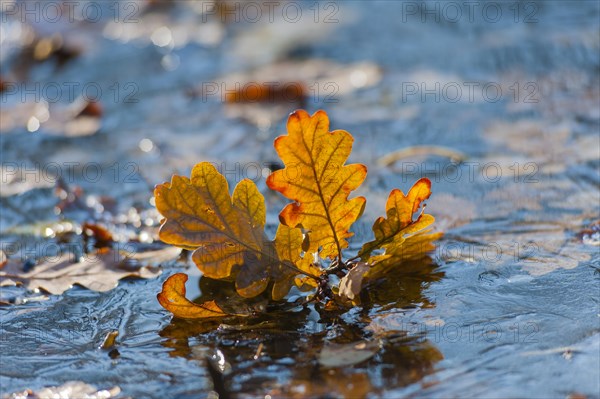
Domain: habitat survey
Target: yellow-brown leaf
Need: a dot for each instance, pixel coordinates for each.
(288, 244)
(227, 233)
(399, 211)
(172, 297)
(222, 231)
(402, 237)
(316, 178)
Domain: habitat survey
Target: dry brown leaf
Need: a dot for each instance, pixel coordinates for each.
(265, 93)
(351, 283)
(99, 271)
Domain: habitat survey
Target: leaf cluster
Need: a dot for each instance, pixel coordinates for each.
(226, 233)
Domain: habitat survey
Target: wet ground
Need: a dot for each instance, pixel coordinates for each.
(498, 104)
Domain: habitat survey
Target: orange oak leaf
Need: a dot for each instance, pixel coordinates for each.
(399, 211)
(172, 297)
(401, 237)
(318, 182)
(222, 231)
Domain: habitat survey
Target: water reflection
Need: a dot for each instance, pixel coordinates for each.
(280, 352)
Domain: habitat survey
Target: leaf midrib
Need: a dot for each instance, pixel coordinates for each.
(318, 183)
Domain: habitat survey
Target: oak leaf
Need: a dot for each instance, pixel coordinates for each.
(401, 236)
(223, 231)
(288, 244)
(172, 297)
(316, 178)
(226, 233)
(98, 271)
(351, 284)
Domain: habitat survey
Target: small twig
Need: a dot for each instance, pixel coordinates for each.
(258, 351)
